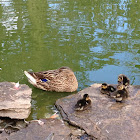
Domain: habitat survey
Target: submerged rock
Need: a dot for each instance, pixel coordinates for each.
(15, 102)
(11, 125)
(106, 119)
(43, 129)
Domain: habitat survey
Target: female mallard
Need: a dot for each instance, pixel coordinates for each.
(121, 93)
(59, 80)
(107, 89)
(83, 103)
(122, 79)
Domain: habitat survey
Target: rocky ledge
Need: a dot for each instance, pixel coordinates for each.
(43, 129)
(106, 119)
(15, 102)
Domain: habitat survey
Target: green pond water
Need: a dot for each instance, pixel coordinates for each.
(97, 39)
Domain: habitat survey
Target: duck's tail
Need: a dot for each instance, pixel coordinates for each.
(31, 79)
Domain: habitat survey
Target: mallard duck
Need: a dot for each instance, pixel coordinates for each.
(120, 94)
(107, 89)
(122, 79)
(83, 103)
(59, 80)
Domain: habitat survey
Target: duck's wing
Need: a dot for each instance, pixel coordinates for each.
(44, 76)
(30, 77)
(50, 74)
(41, 80)
(125, 93)
(60, 80)
(114, 94)
(111, 88)
(126, 81)
(88, 102)
(120, 93)
(103, 91)
(80, 104)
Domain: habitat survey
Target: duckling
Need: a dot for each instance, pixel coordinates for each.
(83, 103)
(106, 89)
(59, 80)
(122, 79)
(121, 93)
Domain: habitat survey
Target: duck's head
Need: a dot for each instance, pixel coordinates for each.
(120, 87)
(86, 97)
(104, 86)
(120, 78)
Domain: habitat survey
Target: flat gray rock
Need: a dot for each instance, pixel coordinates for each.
(106, 119)
(15, 103)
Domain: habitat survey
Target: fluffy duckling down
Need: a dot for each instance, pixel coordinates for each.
(123, 80)
(121, 93)
(107, 89)
(83, 103)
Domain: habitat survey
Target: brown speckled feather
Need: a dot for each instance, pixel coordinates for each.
(59, 80)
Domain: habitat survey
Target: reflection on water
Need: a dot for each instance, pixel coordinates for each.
(97, 39)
